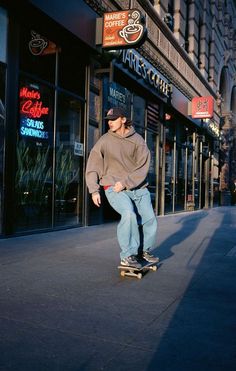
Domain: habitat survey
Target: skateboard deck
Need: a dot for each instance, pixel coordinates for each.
(137, 272)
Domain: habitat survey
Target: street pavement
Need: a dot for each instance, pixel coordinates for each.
(65, 307)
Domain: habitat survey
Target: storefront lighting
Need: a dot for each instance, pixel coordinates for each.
(168, 117)
(32, 112)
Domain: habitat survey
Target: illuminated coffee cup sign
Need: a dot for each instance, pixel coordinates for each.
(39, 45)
(123, 29)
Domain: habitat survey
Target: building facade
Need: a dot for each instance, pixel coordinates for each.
(57, 82)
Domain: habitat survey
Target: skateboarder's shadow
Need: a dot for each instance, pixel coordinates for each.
(189, 224)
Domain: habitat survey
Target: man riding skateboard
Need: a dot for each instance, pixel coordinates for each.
(119, 162)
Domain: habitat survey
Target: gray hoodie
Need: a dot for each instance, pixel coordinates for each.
(116, 158)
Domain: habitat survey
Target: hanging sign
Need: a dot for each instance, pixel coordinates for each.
(123, 29)
(202, 107)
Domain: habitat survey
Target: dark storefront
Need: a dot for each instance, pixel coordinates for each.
(43, 96)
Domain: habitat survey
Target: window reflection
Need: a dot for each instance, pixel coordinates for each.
(69, 160)
(2, 125)
(37, 55)
(33, 181)
(169, 162)
(139, 106)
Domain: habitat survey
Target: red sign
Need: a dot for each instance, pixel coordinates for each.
(202, 107)
(31, 104)
(123, 29)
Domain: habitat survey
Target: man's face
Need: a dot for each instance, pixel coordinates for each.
(116, 124)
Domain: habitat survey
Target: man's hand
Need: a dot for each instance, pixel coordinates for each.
(118, 187)
(96, 199)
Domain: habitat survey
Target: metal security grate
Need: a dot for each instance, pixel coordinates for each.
(153, 117)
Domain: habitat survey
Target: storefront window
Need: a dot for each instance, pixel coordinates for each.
(169, 174)
(190, 196)
(2, 130)
(197, 178)
(71, 71)
(69, 162)
(3, 58)
(33, 182)
(116, 95)
(181, 169)
(170, 166)
(139, 106)
(180, 179)
(3, 35)
(37, 55)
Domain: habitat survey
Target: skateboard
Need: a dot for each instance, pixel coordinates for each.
(137, 272)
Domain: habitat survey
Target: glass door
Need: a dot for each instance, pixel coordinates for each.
(3, 60)
(69, 154)
(2, 131)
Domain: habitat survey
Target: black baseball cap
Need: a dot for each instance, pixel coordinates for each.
(114, 113)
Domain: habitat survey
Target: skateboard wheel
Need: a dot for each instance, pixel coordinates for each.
(122, 273)
(154, 268)
(139, 275)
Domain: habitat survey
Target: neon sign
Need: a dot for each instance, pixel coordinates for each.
(35, 110)
(32, 94)
(33, 113)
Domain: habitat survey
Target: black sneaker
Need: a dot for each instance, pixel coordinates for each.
(131, 261)
(150, 258)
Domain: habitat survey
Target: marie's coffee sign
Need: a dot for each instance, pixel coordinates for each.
(123, 29)
(34, 112)
(202, 107)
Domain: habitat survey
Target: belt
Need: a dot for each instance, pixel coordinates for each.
(106, 187)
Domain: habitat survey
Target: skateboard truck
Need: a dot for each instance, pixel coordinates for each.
(137, 272)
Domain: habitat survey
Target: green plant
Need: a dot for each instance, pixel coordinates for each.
(33, 174)
(64, 171)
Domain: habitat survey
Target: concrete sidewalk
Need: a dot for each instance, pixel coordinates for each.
(64, 306)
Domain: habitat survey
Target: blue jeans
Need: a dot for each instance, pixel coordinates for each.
(136, 210)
